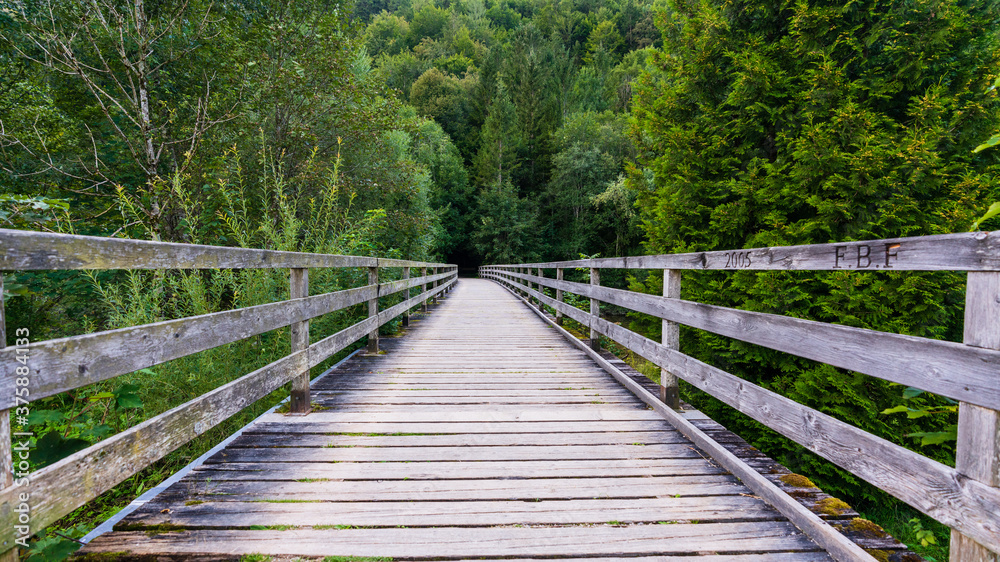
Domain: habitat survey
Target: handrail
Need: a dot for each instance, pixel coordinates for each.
(965, 251)
(967, 497)
(56, 366)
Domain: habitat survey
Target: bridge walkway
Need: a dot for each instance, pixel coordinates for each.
(481, 433)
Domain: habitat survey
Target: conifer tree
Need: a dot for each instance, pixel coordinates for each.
(788, 123)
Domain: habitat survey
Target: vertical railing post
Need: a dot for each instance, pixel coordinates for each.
(978, 449)
(406, 314)
(8, 553)
(434, 285)
(669, 391)
(527, 284)
(373, 309)
(423, 289)
(559, 296)
(298, 281)
(541, 290)
(595, 310)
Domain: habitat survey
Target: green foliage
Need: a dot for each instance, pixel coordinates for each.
(768, 125)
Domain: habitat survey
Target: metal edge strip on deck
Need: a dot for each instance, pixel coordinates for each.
(108, 525)
(836, 544)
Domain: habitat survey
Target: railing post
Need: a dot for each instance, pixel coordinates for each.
(434, 285)
(595, 310)
(669, 391)
(541, 290)
(559, 297)
(6, 460)
(423, 289)
(406, 314)
(978, 447)
(527, 284)
(373, 309)
(301, 404)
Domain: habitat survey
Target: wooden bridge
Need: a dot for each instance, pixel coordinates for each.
(487, 431)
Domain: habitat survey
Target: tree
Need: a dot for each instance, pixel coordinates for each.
(780, 124)
(506, 231)
(132, 60)
(445, 98)
(500, 142)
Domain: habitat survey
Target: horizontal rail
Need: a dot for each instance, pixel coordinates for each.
(950, 369)
(967, 251)
(58, 489)
(27, 250)
(937, 490)
(67, 363)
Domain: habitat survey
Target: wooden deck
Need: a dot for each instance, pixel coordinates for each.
(481, 433)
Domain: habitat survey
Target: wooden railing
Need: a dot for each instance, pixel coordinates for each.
(966, 497)
(30, 502)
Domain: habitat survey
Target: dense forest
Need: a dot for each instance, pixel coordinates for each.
(499, 131)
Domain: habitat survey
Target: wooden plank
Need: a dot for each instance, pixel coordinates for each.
(950, 369)
(230, 514)
(200, 487)
(8, 552)
(935, 489)
(300, 401)
(670, 337)
(27, 250)
(417, 391)
(966, 251)
(472, 542)
(610, 468)
(337, 400)
(373, 311)
(442, 428)
(702, 557)
(456, 454)
(840, 547)
(68, 363)
(271, 439)
(478, 415)
(978, 448)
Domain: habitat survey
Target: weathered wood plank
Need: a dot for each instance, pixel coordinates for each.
(300, 400)
(27, 250)
(442, 428)
(610, 468)
(412, 439)
(229, 514)
(479, 415)
(950, 369)
(199, 488)
(473, 542)
(455, 454)
(933, 488)
(337, 401)
(966, 251)
(978, 448)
